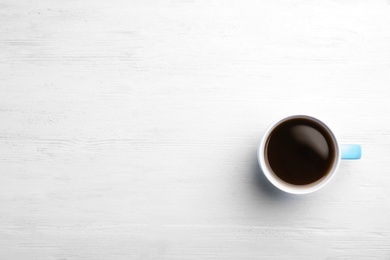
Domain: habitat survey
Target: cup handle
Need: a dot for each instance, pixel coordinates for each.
(350, 151)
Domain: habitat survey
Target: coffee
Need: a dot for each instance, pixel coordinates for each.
(300, 151)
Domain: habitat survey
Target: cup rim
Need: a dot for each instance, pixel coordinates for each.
(288, 187)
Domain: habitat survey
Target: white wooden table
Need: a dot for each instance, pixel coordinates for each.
(128, 129)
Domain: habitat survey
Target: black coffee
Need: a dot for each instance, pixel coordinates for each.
(300, 151)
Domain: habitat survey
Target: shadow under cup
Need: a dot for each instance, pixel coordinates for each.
(299, 154)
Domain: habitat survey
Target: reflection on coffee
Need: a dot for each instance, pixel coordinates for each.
(300, 151)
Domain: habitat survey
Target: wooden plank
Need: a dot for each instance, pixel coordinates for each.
(128, 129)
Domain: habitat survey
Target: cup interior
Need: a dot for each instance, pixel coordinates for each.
(289, 187)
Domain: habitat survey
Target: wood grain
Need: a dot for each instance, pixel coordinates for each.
(129, 128)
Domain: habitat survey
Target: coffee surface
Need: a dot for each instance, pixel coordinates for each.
(300, 151)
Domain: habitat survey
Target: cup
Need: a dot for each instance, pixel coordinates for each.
(291, 156)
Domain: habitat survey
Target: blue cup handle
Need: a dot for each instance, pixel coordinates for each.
(350, 151)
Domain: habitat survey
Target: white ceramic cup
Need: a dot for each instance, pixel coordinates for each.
(349, 151)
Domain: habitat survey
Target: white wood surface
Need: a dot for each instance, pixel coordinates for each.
(128, 129)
